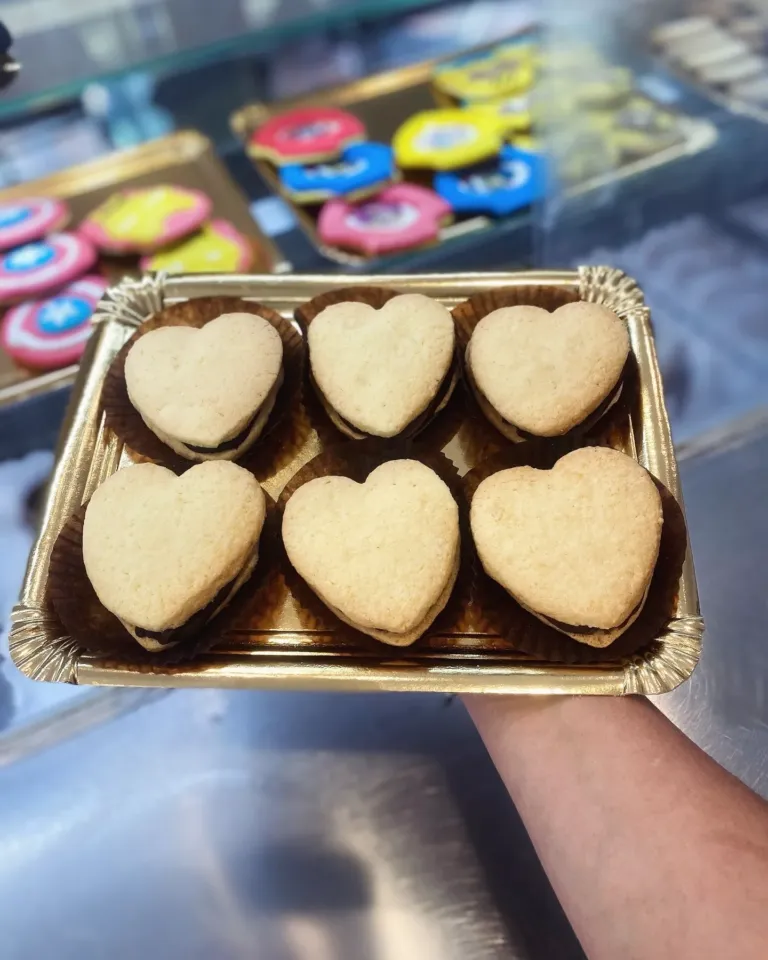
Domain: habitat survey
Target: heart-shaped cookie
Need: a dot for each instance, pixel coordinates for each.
(384, 554)
(577, 544)
(545, 373)
(380, 369)
(157, 547)
(203, 387)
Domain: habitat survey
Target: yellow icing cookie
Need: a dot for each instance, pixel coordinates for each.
(505, 71)
(513, 113)
(526, 142)
(447, 139)
(146, 218)
(217, 248)
(641, 127)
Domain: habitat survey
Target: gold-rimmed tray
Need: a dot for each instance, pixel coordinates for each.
(383, 101)
(288, 653)
(186, 158)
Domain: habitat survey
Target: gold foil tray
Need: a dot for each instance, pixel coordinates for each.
(287, 653)
(385, 100)
(186, 158)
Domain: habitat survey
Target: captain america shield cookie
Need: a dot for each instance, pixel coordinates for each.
(48, 334)
(39, 268)
(22, 221)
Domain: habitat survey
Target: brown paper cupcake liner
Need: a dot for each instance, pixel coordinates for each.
(468, 314)
(499, 613)
(287, 426)
(357, 461)
(329, 424)
(99, 632)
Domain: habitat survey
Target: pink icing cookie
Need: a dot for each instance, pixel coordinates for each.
(48, 334)
(22, 221)
(143, 220)
(39, 268)
(306, 135)
(400, 217)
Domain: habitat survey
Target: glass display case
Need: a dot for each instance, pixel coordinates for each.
(653, 138)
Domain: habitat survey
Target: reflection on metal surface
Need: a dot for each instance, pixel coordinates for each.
(283, 652)
(279, 826)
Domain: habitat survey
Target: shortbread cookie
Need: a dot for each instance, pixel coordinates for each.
(164, 553)
(541, 374)
(575, 545)
(383, 555)
(379, 370)
(207, 393)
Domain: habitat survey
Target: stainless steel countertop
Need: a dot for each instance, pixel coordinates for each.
(218, 826)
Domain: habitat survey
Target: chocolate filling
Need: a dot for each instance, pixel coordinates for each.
(192, 626)
(582, 631)
(600, 410)
(232, 444)
(420, 421)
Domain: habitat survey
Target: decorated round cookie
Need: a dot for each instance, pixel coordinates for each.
(601, 85)
(502, 72)
(216, 248)
(363, 169)
(513, 114)
(641, 127)
(48, 334)
(400, 217)
(22, 221)
(500, 187)
(447, 139)
(306, 135)
(145, 219)
(40, 267)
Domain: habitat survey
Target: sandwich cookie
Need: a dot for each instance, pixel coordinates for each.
(514, 182)
(400, 217)
(22, 221)
(575, 545)
(207, 393)
(164, 553)
(541, 374)
(447, 139)
(49, 334)
(382, 555)
(216, 248)
(363, 169)
(145, 219)
(306, 135)
(41, 267)
(382, 372)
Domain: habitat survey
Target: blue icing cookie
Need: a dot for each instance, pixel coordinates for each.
(362, 166)
(513, 181)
